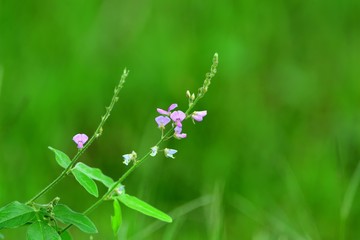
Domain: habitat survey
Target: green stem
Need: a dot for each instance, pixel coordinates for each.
(96, 134)
(202, 91)
(121, 179)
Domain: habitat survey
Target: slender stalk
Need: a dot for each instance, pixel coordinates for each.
(121, 179)
(164, 137)
(96, 134)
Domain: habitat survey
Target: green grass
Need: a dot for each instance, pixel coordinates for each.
(276, 153)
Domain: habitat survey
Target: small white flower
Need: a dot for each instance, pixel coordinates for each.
(120, 190)
(154, 151)
(129, 157)
(169, 152)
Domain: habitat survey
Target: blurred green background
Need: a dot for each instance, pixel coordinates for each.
(274, 156)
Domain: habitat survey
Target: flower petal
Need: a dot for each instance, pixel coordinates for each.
(172, 107)
(162, 121)
(162, 111)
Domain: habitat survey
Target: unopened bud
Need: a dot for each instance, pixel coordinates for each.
(188, 94)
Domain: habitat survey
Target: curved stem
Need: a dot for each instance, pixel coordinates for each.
(96, 134)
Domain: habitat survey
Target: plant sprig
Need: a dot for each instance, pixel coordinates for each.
(96, 134)
(45, 220)
(137, 162)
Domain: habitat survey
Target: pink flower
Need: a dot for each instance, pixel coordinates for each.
(198, 115)
(80, 139)
(162, 121)
(178, 133)
(178, 117)
(168, 112)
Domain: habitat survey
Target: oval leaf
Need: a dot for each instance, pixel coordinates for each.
(15, 214)
(116, 220)
(61, 158)
(143, 207)
(67, 216)
(95, 174)
(42, 231)
(86, 182)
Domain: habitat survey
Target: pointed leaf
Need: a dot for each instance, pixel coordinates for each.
(143, 207)
(15, 214)
(42, 231)
(86, 182)
(67, 216)
(116, 220)
(94, 173)
(61, 158)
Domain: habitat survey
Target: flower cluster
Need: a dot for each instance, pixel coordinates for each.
(167, 116)
(176, 117)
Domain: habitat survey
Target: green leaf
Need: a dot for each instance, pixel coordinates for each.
(143, 207)
(15, 214)
(1, 236)
(61, 158)
(95, 174)
(66, 236)
(42, 231)
(116, 220)
(67, 216)
(86, 182)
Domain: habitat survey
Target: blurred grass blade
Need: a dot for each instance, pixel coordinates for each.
(86, 182)
(178, 212)
(1, 79)
(350, 193)
(277, 224)
(143, 207)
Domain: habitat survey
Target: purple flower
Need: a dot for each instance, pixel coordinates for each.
(198, 115)
(80, 139)
(178, 117)
(178, 133)
(169, 152)
(162, 121)
(168, 112)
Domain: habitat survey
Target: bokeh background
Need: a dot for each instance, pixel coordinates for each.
(272, 160)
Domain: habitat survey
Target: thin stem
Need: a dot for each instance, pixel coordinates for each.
(96, 134)
(121, 179)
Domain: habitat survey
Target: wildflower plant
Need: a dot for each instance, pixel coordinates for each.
(53, 219)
